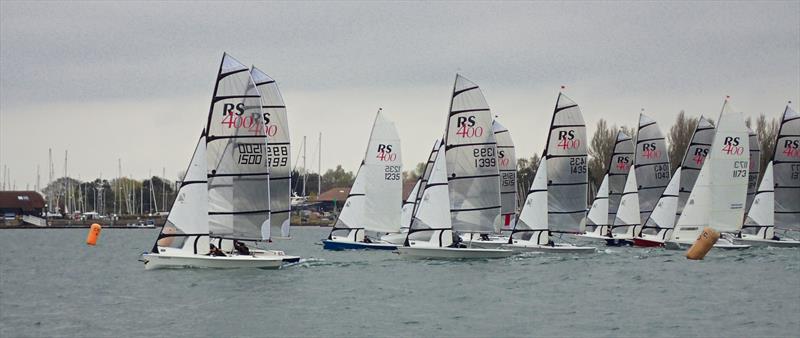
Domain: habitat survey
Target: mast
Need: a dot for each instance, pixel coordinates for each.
(305, 167)
(319, 167)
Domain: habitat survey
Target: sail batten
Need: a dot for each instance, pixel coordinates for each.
(276, 128)
(471, 156)
(238, 178)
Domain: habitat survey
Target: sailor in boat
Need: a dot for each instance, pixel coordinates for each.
(241, 249)
(214, 251)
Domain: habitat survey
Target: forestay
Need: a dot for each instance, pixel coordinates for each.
(618, 167)
(694, 158)
(278, 151)
(755, 167)
(786, 169)
(471, 154)
(719, 195)
(567, 175)
(507, 160)
(238, 178)
(652, 164)
(186, 228)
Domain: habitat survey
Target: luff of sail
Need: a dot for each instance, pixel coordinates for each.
(694, 158)
(755, 168)
(786, 171)
(408, 206)
(186, 228)
(426, 174)
(628, 216)
(472, 171)
(567, 174)
(618, 167)
(278, 151)
(507, 161)
(238, 179)
(432, 218)
(719, 195)
(533, 220)
(664, 214)
(651, 164)
(598, 213)
(762, 212)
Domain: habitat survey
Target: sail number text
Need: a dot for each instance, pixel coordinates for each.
(484, 157)
(740, 168)
(577, 165)
(392, 173)
(277, 156)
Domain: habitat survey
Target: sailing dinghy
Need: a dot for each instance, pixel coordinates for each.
(606, 204)
(462, 194)
(507, 161)
(659, 227)
(720, 192)
(224, 196)
(374, 201)
(628, 216)
(776, 203)
(412, 201)
(556, 201)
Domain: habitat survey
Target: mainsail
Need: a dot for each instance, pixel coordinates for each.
(628, 216)
(719, 195)
(471, 154)
(652, 164)
(278, 151)
(598, 213)
(507, 160)
(694, 158)
(186, 228)
(432, 211)
(665, 212)
(786, 171)
(618, 167)
(755, 168)
(374, 200)
(238, 178)
(567, 174)
(533, 220)
(426, 174)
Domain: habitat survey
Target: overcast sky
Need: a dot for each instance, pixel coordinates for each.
(133, 80)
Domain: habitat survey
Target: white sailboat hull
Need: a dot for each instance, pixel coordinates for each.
(493, 242)
(557, 248)
(722, 243)
(452, 253)
(275, 253)
(758, 241)
(396, 238)
(593, 236)
(162, 260)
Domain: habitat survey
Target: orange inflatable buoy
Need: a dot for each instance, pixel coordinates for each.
(94, 233)
(703, 244)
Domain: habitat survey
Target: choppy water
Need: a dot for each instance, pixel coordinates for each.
(51, 284)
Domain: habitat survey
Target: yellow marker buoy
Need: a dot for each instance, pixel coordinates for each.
(703, 244)
(94, 234)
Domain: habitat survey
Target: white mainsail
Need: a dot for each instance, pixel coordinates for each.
(238, 179)
(471, 154)
(186, 228)
(786, 171)
(278, 155)
(507, 161)
(652, 165)
(374, 200)
(719, 195)
(567, 174)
